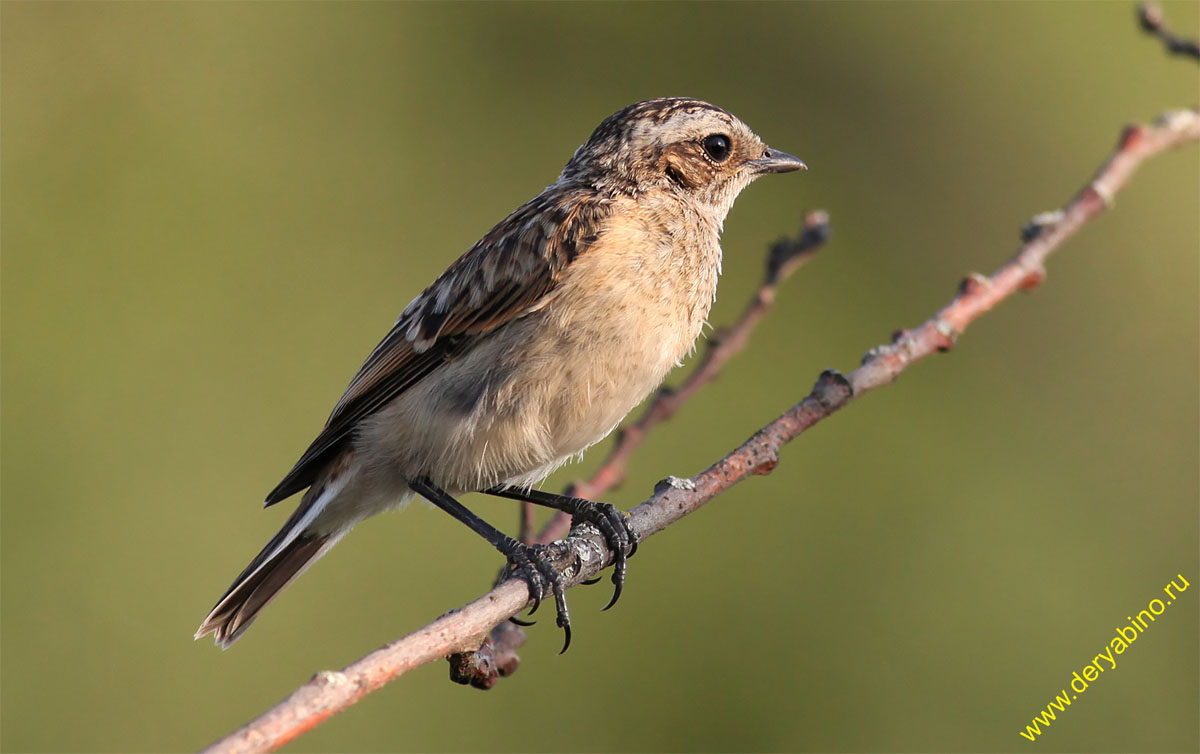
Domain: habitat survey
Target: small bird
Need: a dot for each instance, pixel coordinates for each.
(527, 350)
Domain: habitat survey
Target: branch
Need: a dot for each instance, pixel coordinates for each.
(583, 554)
(1150, 16)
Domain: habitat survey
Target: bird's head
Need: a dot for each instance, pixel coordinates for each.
(683, 146)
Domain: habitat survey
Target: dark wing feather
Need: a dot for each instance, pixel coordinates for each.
(502, 277)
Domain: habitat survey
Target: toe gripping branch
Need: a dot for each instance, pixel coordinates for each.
(612, 524)
(535, 563)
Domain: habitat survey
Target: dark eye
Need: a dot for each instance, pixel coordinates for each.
(717, 147)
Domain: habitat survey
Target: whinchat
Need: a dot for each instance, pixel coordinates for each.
(527, 350)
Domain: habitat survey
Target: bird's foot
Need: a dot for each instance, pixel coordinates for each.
(618, 534)
(534, 564)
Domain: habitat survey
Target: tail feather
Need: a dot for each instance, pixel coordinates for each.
(261, 582)
(301, 541)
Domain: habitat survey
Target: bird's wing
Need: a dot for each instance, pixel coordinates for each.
(504, 276)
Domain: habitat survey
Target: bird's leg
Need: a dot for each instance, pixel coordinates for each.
(612, 523)
(531, 562)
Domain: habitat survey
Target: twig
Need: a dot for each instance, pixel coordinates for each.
(1150, 16)
(584, 554)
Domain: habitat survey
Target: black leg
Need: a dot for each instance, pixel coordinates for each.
(612, 523)
(531, 562)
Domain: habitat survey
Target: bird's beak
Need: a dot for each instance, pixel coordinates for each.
(774, 161)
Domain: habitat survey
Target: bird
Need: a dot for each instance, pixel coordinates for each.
(530, 347)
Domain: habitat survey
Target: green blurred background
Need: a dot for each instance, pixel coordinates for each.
(212, 212)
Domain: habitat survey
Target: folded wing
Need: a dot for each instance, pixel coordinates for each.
(507, 274)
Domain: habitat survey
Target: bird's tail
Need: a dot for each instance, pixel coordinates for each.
(289, 553)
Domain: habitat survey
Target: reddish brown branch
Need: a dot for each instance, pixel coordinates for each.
(1150, 16)
(583, 554)
(978, 294)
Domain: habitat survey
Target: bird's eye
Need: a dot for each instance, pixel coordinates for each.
(716, 147)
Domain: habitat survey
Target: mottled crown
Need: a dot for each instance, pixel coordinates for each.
(634, 120)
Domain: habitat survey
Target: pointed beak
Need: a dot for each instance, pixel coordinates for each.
(774, 161)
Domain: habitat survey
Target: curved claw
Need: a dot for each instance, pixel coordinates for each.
(566, 637)
(590, 582)
(618, 578)
(564, 615)
(533, 565)
(524, 623)
(618, 584)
